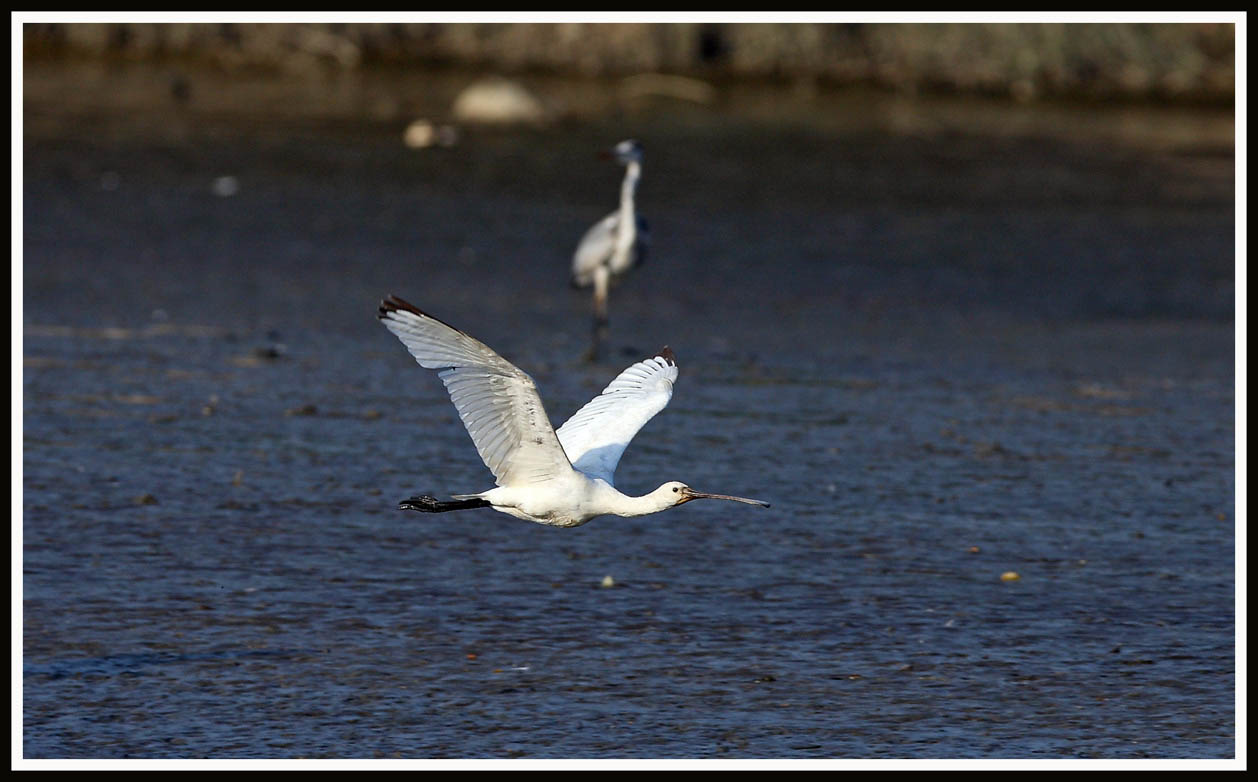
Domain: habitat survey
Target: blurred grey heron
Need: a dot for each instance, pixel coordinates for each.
(561, 478)
(613, 245)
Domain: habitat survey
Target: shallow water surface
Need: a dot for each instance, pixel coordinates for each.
(943, 355)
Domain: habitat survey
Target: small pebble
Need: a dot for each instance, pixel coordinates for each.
(225, 186)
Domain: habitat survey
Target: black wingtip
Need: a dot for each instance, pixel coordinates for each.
(666, 353)
(393, 303)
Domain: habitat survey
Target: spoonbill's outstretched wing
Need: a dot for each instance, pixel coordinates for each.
(498, 403)
(596, 435)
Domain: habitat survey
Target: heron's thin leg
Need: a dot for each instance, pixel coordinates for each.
(430, 504)
(598, 337)
(602, 281)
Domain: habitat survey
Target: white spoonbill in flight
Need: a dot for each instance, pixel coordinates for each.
(613, 245)
(562, 478)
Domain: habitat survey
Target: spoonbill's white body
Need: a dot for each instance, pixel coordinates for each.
(615, 244)
(562, 478)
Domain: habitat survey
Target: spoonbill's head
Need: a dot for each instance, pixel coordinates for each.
(680, 493)
(626, 152)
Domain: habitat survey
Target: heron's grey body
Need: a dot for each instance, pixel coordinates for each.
(606, 246)
(613, 245)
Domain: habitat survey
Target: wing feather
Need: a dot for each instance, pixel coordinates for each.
(596, 436)
(497, 402)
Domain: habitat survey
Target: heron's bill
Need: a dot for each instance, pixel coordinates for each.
(691, 494)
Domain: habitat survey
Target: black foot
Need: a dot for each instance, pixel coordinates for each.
(429, 504)
(424, 504)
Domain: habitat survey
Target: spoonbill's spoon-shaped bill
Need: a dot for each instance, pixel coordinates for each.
(560, 477)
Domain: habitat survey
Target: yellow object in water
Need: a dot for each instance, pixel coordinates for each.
(1009, 575)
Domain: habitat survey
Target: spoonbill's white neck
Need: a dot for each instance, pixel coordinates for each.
(667, 496)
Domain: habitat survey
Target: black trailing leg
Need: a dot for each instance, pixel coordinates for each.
(429, 504)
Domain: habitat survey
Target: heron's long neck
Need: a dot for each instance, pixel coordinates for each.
(633, 172)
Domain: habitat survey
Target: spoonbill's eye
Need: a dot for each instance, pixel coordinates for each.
(675, 490)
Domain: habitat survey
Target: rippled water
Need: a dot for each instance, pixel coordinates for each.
(944, 354)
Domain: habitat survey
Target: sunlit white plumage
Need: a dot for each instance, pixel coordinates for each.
(596, 435)
(615, 244)
(562, 478)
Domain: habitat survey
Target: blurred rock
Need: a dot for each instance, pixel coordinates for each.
(422, 133)
(498, 101)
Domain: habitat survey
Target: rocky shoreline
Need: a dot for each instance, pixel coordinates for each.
(1177, 63)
